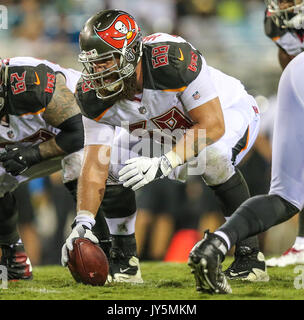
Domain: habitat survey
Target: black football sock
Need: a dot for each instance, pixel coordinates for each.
(301, 224)
(101, 231)
(257, 215)
(231, 195)
(125, 244)
(8, 220)
(118, 202)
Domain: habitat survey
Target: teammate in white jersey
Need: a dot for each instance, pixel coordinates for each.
(286, 195)
(41, 130)
(158, 85)
(284, 24)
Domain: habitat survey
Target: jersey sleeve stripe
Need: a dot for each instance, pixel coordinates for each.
(247, 140)
(33, 113)
(101, 115)
(175, 90)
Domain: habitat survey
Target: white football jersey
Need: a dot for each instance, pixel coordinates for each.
(287, 177)
(176, 80)
(31, 84)
(28, 125)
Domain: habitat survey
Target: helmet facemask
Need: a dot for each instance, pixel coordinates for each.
(282, 11)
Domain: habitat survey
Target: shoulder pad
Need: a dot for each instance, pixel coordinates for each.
(29, 89)
(89, 104)
(170, 65)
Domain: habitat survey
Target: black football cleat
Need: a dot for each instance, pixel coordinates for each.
(17, 262)
(249, 264)
(124, 264)
(205, 261)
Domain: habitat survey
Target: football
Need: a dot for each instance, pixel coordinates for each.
(88, 263)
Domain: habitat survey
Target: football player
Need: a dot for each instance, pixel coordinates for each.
(158, 84)
(41, 130)
(284, 24)
(286, 195)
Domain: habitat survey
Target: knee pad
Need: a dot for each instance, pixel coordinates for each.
(71, 166)
(219, 167)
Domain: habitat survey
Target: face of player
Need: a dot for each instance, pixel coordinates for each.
(108, 68)
(110, 74)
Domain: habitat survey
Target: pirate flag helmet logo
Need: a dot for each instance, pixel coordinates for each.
(123, 30)
(110, 35)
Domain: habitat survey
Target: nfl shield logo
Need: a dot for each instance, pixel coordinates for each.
(196, 95)
(10, 134)
(142, 110)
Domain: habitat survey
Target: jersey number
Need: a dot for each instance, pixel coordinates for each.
(50, 83)
(19, 85)
(160, 56)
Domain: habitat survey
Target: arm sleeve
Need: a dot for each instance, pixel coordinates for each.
(200, 90)
(70, 138)
(96, 133)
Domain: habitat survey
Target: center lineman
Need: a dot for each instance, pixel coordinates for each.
(161, 83)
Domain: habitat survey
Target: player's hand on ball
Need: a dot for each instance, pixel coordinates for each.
(140, 171)
(81, 230)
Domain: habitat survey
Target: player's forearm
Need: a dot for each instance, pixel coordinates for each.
(90, 194)
(70, 139)
(50, 149)
(196, 139)
(93, 177)
(209, 126)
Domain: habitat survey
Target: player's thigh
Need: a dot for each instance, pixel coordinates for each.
(287, 176)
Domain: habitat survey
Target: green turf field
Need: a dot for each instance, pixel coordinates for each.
(163, 281)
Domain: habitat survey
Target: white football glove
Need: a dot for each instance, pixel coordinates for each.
(82, 229)
(140, 171)
(296, 22)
